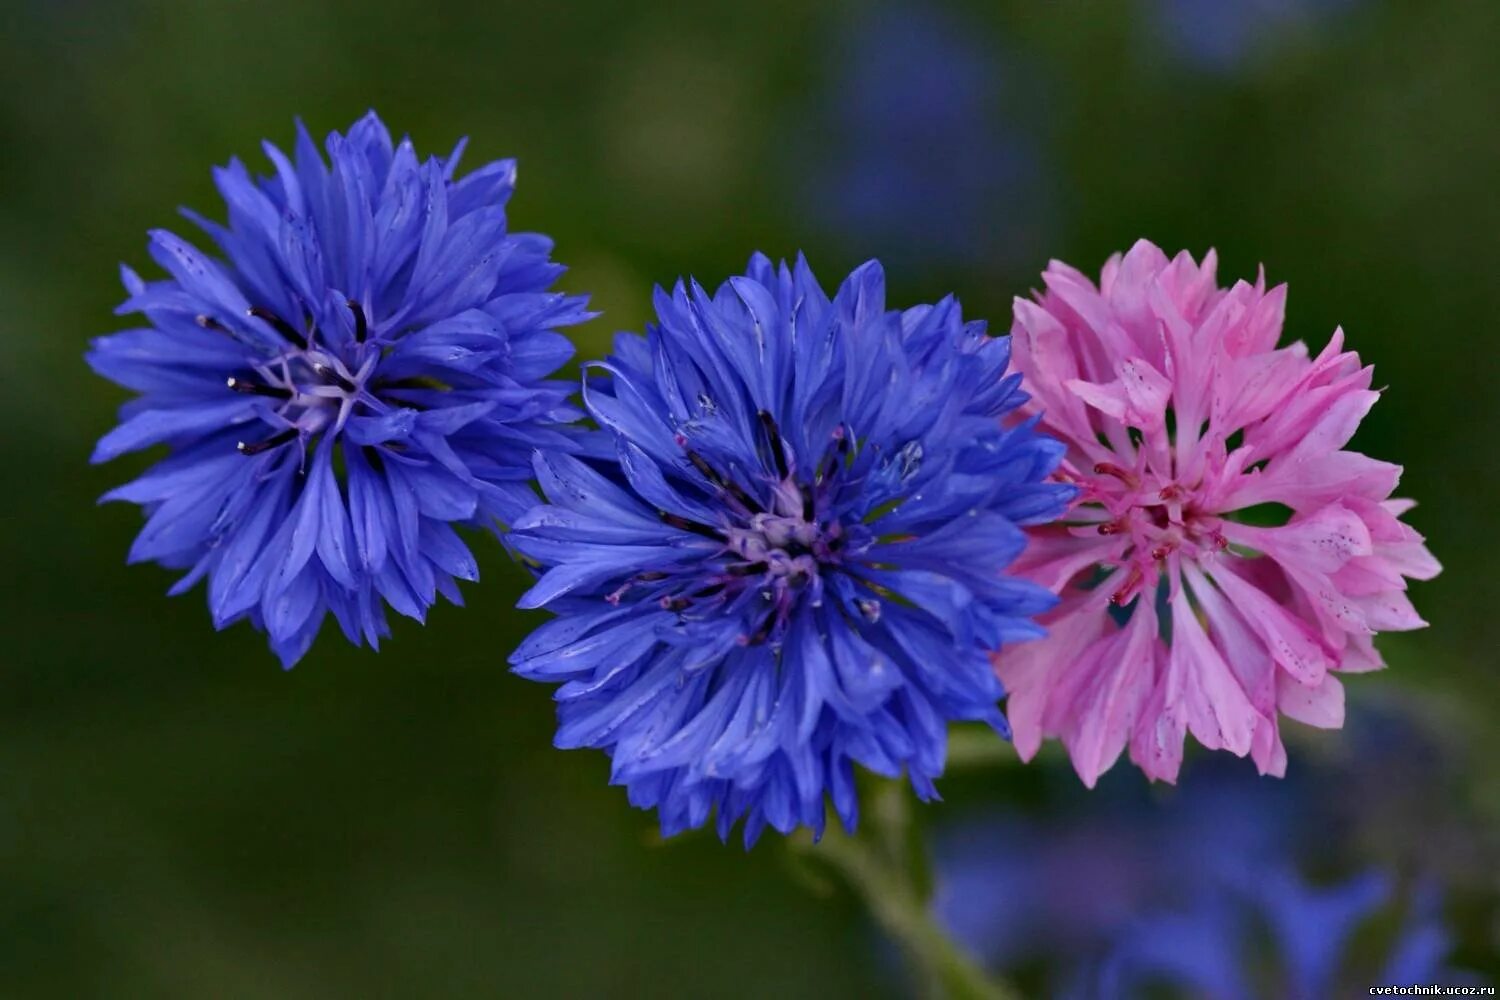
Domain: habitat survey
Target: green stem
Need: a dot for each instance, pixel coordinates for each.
(880, 864)
(907, 920)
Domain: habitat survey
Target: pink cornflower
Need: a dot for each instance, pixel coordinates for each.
(1226, 556)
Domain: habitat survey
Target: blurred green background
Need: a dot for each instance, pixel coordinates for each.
(178, 817)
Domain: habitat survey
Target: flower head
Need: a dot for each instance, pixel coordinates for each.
(365, 366)
(1212, 944)
(1226, 556)
(797, 563)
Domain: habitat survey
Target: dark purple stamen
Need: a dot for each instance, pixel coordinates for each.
(256, 447)
(684, 524)
(255, 389)
(331, 375)
(763, 633)
(778, 449)
(361, 326)
(701, 464)
(280, 325)
(726, 485)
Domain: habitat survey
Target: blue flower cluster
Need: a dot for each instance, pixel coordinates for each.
(367, 364)
(783, 554)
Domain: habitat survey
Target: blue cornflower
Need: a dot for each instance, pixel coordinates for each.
(1212, 947)
(366, 366)
(1204, 891)
(796, 564)
(913, 149)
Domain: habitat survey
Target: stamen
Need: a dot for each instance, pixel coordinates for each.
(1112, 528)
(256, 447)
(330, 375)
(1127, 593)
(361, 326)
(1111, 469)
(255, 389)
(778, 449)
(615, 596)
(701, 464)
(728, 486)
(832, 461)
(280, 325)
(760, 635)
(209, 323)
(683, 524)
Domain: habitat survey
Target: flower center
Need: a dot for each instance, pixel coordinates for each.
(1155, 519)
(316, 385)
(774, 553)
(790, 546)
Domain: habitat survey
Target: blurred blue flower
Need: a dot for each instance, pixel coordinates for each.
(1213, 948)
(914, 157)
(366, 366)
(1013, 889)
(1219, 35)
(797, 563)
(1203, 890)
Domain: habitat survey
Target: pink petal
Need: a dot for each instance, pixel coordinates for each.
(1083, 300)
(1219, 713)
(1246, 655)
(1026, 686)
(1054, 555)
(1307, 485)
(1410, 559)
(1197, 692)
(1398, 505)
(1360, 656)
(1096, 705)
(1042, 349)
(1391, 611)
(1031, 670)
(1371, 575)
(1262, 326)
(1323, 541)
(1267, 750)
(1147, 392)
(1247, 389)
(1108, 398)
(1292, 644)
(1320, 705)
